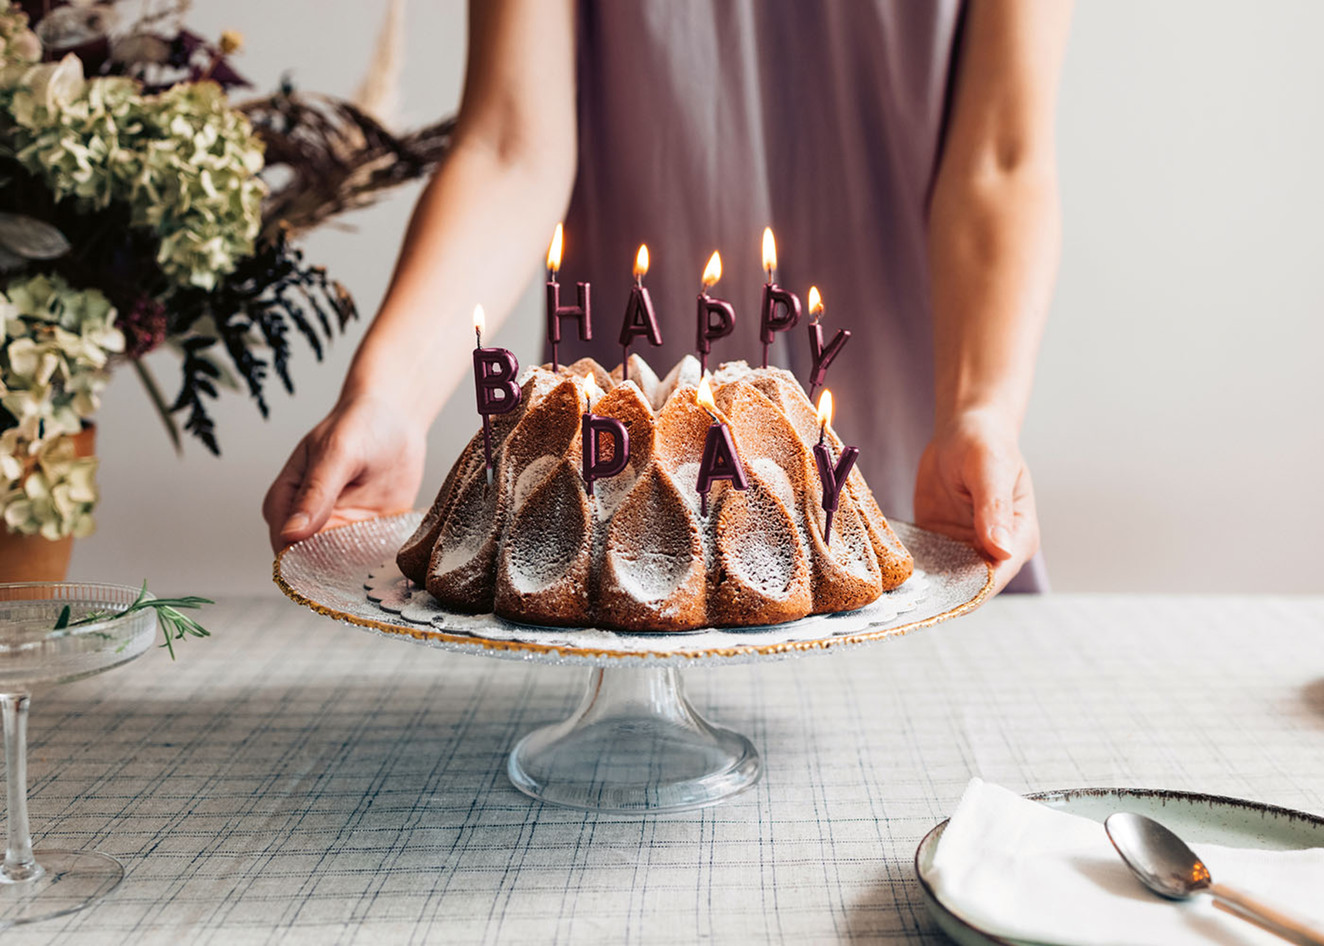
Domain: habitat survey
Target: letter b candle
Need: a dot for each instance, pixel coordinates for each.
(495, 387)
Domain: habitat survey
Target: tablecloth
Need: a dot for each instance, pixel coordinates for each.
(292, 780)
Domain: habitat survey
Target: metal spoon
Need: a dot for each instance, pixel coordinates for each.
(1165, 865)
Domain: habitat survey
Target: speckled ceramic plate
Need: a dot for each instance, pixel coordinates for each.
(1211, 819)
(345, 574)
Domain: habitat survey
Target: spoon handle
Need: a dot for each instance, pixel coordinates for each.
(1248, 908)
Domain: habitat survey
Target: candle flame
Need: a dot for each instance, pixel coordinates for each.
(705, 395)
(815, 302)
(825, 408)
(641, 262)
(713, 271)
(769, 251)
(480, 319)
(591, 389)
(554, 251)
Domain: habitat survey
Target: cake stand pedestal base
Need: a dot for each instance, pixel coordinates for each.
(634, 744)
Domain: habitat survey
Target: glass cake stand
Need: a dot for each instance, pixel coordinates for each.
(51, 883)
(634, 743)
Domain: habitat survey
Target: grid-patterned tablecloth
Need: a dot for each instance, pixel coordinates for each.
(296, 781)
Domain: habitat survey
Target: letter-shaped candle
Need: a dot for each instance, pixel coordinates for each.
(781, 309)
(639, 316)
(716, 318)
(497, 390)
(596, 468)
(832, 475)
(720, 460)
(823, 355)
(556, 313)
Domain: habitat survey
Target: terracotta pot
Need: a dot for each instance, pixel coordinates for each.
(33, 558)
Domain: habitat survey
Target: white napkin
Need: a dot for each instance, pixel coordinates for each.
(1020, 869)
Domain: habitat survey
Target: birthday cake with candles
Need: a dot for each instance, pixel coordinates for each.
(653, 528)
(621, 500)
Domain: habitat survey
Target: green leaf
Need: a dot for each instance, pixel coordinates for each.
(63, 620)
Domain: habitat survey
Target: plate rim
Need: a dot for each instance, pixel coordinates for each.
(481, 644)
(1066, 794)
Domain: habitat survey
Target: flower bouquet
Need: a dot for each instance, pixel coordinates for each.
(141, 208)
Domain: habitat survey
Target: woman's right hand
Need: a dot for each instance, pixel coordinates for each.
(364, 460)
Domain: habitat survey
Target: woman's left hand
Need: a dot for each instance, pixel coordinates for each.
(973, 485)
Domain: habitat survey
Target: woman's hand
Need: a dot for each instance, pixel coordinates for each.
(973, 485)
(365, 459)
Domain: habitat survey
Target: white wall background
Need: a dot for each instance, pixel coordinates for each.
(1176, 433)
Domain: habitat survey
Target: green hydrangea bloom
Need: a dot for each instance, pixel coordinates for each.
(57, 342)
(184, 161)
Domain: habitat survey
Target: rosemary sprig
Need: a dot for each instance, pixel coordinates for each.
(174, 623)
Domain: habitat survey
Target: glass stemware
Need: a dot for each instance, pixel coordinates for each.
(47, 883)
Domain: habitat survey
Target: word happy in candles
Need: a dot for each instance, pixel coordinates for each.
(557, 313)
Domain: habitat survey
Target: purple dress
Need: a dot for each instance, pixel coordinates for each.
(703, 121)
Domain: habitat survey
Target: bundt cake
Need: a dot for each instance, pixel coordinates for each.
(638, 554)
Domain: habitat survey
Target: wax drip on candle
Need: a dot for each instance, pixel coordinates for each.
(823, 355)
(557, 313)
(781, 309)
(707, 329)
(640, 318)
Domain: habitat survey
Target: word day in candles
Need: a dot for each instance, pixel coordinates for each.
(823, 355)
(781, 309)
(495, 370)
(833, 475)
(720, 460)
(639, 316)
(597, 467)
(716, 317)
(557, 313)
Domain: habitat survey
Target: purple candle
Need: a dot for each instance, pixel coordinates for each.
(716, 318)
(495, 370)
(833, 475)
(781, 309)
(596, 468)
(557, 313)
(639, 316)
(720, 460)
(823, 355)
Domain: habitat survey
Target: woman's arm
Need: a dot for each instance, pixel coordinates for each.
(478, 227)
(994, 235)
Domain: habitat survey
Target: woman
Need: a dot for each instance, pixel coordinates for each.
(902, 152)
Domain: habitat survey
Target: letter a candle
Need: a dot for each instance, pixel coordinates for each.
(556, 313)
(596, 468)
(639, 316)
(494, 382)
(720, 460)
(832, 475)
